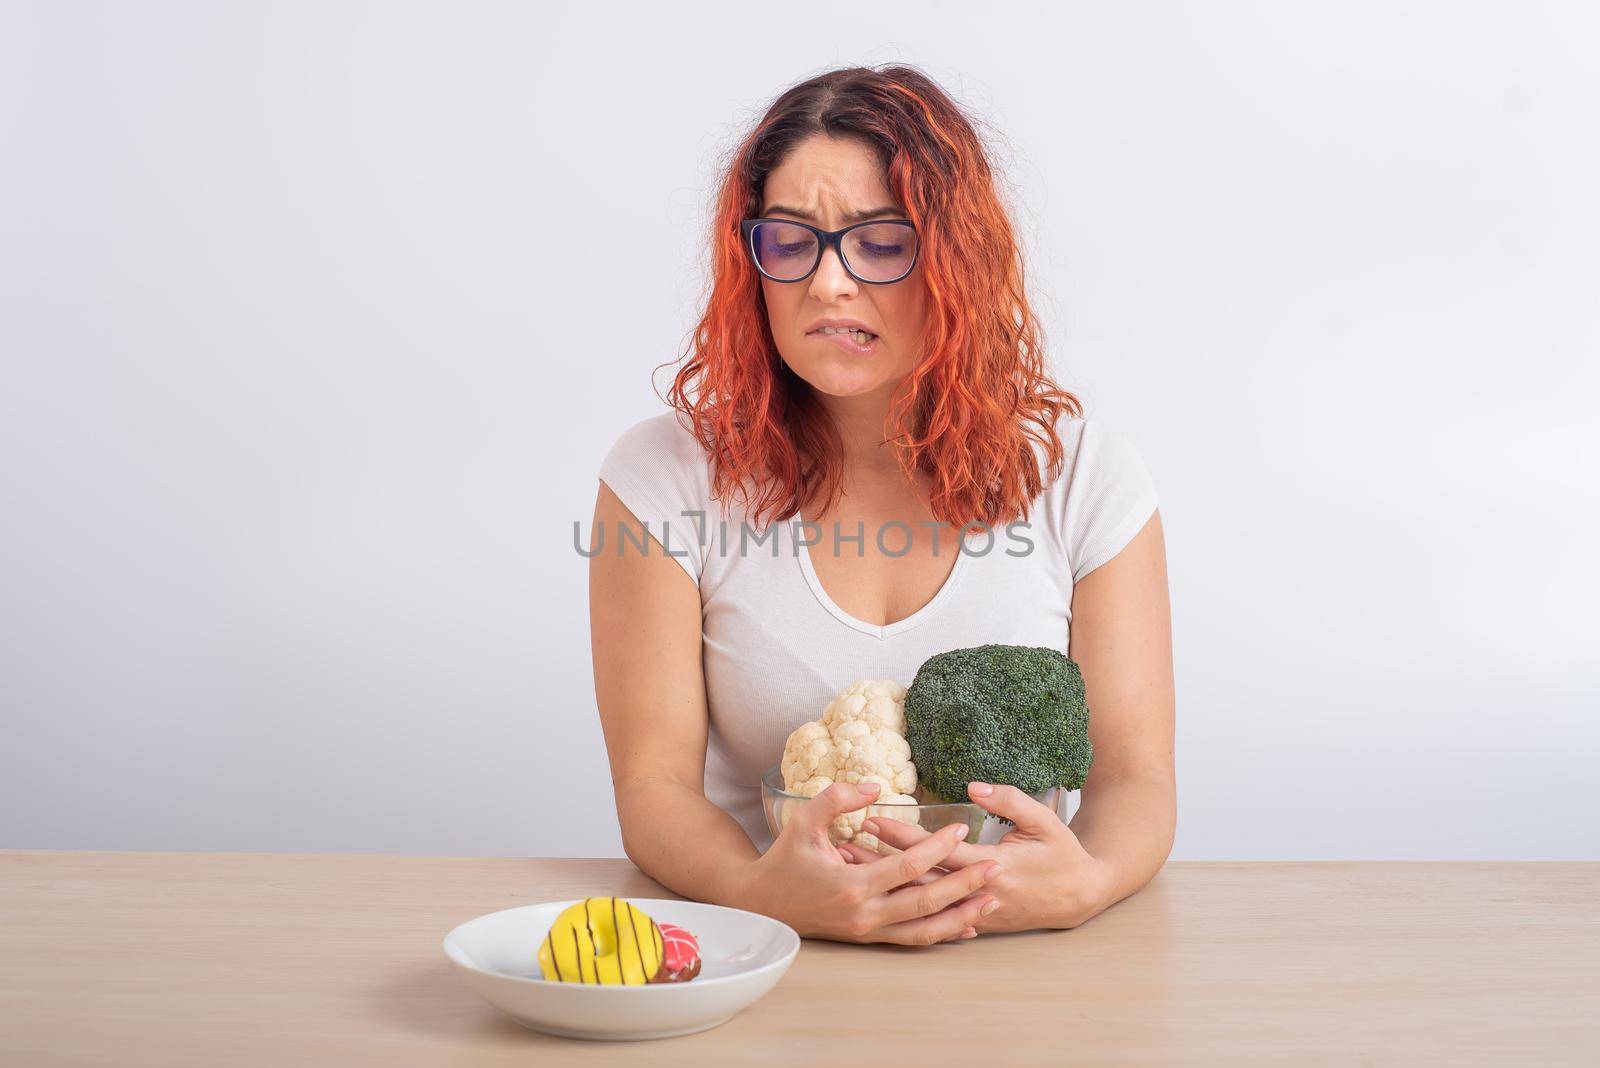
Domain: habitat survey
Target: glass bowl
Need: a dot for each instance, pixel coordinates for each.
(930, 813)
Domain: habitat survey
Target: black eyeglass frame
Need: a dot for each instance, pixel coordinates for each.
(828, 239)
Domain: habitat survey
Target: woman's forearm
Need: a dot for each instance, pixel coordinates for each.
(1128, 825)
(683, 841)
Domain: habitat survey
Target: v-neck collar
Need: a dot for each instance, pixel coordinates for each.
(888, 630)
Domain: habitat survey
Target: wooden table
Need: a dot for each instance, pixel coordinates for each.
(228, 959)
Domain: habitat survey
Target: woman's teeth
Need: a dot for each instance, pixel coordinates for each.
(861, 336)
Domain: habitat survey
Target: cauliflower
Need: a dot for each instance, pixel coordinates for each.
(859, 738)
(877, 703)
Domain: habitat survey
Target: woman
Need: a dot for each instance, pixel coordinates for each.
(863, 201)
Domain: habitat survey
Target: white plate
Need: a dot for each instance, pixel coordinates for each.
(743, 956)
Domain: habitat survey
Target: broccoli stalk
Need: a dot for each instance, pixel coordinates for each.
(1012, 714)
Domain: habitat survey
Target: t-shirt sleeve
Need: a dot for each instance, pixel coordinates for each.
(1109, 500)
(656, 469)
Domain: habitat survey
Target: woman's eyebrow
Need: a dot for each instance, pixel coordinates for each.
(849, 216)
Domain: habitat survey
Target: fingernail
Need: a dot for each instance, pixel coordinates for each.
(960, 832)
(994, 872)
(969, 933)
(990, 907)
(867, 787)
(870, 826)
(980, 789)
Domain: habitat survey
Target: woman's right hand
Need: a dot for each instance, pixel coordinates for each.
(807, 882)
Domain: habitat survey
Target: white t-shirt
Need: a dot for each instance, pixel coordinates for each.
(775, 646)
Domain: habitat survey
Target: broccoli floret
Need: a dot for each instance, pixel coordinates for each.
(1012, 714)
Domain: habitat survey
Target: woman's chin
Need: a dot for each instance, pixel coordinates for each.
(846, 381)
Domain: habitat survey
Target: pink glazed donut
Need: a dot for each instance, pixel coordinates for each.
(680, 957)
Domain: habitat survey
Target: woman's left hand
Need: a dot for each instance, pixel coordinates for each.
(1047, 878)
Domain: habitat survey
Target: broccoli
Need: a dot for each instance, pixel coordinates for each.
(1012, 714)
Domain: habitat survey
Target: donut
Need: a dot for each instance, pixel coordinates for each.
(602, 940)
(680, 958)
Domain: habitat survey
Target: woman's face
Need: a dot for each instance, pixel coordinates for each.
(824, 180)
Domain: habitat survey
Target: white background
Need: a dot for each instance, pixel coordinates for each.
(317, 319)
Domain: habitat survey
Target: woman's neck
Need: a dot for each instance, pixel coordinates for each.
(860, 422)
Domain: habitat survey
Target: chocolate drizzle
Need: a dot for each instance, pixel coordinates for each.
(621, 975)
(555, 960)
(638, 950)
(594, 947)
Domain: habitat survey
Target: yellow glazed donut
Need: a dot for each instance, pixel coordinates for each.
(602, 940)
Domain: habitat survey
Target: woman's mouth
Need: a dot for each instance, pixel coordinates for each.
(855, 342)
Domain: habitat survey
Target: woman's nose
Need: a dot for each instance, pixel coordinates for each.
(830, 278)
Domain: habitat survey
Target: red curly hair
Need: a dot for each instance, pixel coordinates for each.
(980, 402)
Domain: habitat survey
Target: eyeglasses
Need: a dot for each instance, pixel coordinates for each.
(876, 252)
